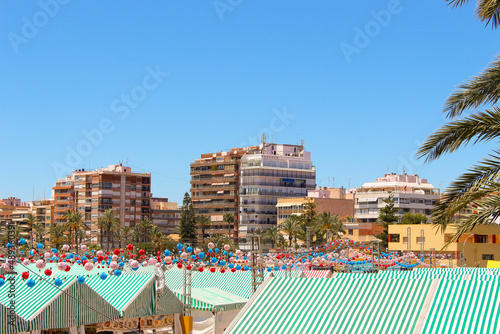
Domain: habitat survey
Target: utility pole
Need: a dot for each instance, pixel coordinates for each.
(186, 288)
(422, 241)
(308, 229)
(408, 237)
(257, 272)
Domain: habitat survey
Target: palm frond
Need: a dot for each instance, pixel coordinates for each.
(479, 182)
(479, 90)
(483, 126)
(486, 10)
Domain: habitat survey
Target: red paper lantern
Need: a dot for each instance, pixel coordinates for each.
(233, 270)
(130, 246)
(222, 270)
(200, 269)
(25, 275)
(179, 265)
(48, 272)
(116, 252)
(67, 268)
(212, 270)
(141, 252)
(188, 267)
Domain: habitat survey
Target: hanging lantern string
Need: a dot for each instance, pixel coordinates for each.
(78, 300)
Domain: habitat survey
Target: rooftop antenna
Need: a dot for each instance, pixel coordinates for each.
(272, 136)
(404, 169)
(349, 187)
(127, 161)
(388, 165)
(328, 182)
(297, 138)
(333, 185)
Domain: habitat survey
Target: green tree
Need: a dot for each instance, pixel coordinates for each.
(57, 235)
(203, 222)
(332, 223)
(386, 217)
(289, 227)
(187, 225)
(271, 235)
(125, 234)
(146, 229)
(478, 186)
(229, 220)
(409, 218)
(31, 221)
(39, 232)
(108, 222)
(74, 222)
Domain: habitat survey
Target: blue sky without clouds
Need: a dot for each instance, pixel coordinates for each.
(232, 66)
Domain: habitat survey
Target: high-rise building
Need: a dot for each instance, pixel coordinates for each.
(269, 172)
(43, 211)
(114, 187)
(411, 194)
(64, 198)
(215, 188)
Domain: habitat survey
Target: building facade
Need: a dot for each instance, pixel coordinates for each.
(64, 198)
(472, 249)
(411, 194)
(164, 214)
(270, 172)
(215, 188)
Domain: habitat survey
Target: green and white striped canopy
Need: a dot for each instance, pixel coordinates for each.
(238, 283)
(132, 295)
(464, 307)
(323, 305)
(46, 306)
(213, 300)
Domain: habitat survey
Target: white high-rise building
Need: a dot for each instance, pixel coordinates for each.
(273, 171)
(411, 194)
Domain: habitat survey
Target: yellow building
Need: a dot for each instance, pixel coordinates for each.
(477, 246)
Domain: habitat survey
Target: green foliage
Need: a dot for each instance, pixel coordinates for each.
(386, 217)
(187, 226)
(479, 186)
(203, 222)
(409, 218)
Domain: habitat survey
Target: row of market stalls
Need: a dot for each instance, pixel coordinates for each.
(458, 300)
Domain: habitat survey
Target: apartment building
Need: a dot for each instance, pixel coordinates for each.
(93, 192)
(215, 188)
(164, 214)
(43, 211)
(64, 197)
(411, 194)
(269, 172)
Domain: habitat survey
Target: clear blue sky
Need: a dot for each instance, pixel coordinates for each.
(230, 69)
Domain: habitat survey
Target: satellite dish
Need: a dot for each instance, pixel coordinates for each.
(235, 151)
(214, 155)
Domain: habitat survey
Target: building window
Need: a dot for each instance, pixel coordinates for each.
(420, 240)
(350, 231)
(481, 239)
(405, 240)
(394, 238)
(488, 257)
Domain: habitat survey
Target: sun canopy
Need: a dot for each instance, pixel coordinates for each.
(213, 299)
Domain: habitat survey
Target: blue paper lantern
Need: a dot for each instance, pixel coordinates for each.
(22, 241)
(118, 272)
(193, 257)
(231, 266)
(39, 245)
(180, 246)
(214, 260)
(222, 263)
(134, 269)
(30, 283)
(58, 282)
(269, 269)
(167, 252)
(81, 279)
(201, 255)
(216, 250)
(2, 282)
(103, 276)
(238, 267)
(230, 254)
(189, 249)
(245, 268)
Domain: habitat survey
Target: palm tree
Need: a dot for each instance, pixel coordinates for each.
(74, 222)
(39, 231)
(229, 219)
(125, 235)
(479, 186)
(289, 226)
(332, 223)
(108, 222)
(31, 221)
(271, 235)
(143, 229)
(486, 10)
(57, 236)
(203, 222)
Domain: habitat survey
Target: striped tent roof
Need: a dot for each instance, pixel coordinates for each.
(174, 278)
(11, 322)
(463, 307)
(317, 273)
(238, 283)
(213, 299)
(317, 305)
(283, 273)
(80, 270)
(46, 306)
(132, 295)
